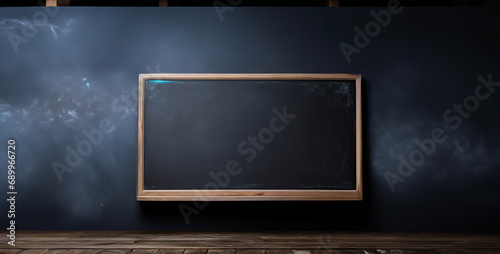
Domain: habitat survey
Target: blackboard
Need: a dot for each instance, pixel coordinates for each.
(249, 137)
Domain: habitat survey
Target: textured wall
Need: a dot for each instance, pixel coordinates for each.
(77, 69)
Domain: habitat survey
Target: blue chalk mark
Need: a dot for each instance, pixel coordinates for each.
(161, 81)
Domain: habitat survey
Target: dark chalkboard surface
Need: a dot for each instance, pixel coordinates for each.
(249, 136)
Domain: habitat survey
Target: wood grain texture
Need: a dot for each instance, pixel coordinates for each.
(51, 3)
(170, 251)
(268, 251)
(245, 76)
(145, 251)
(324, 251)
(34, 251)
(221, 251)
(316, 242)
(120, 251)
(359, 143)
(250, 251)
(247, 195)
(285, 251)
(10, 251)
(195, 251)
(140, 137)
(74, 251)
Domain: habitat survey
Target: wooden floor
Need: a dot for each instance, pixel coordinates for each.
(102, 242)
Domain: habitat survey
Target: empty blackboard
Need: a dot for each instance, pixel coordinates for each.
(249, 137)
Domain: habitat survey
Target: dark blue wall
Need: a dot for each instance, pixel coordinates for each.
(81, 66)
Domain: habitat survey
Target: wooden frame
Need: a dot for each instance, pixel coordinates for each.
(51, 3)
(55, 3)
(246, 195)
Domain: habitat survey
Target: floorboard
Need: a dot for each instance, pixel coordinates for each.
(195, 251)
(170, 251)
(10, 251)
(257, 251)
(145, 251)
(118, 242)
(221, 251)
(250, 251)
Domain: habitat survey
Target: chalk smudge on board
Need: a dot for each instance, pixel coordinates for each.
(336, 92)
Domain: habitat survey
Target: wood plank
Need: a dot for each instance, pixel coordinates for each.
(10, 251)
(51, 3)
(163, 3)
(140, 137)
(74, 251)
(34, 251)
(467, 251)
(170, 251)
(301, 252)
(352, 252)
(258, 251)
(195, 251)
(324, 251)
(285, 251)
(117, 251)
(249, 76)
(315, 241)
(316, 251)
(145, 251)
(250, 251)
(221, 251)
